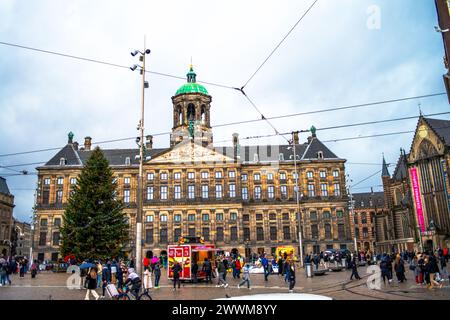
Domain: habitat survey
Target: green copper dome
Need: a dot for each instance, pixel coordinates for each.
(191, 86)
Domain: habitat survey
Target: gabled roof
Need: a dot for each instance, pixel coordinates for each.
(266, 153)
(116, 157)
(441, 128)
(362, 200)
(4, 186)
(68, 153)
(314, 146)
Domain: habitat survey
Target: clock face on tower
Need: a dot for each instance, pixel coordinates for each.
(423, 131)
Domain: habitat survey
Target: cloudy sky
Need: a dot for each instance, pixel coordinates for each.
(331, 59)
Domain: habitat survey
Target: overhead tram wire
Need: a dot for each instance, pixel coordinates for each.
(107, 63)
(365, 179)
(261, 136)
(278, 45)
(343, 126)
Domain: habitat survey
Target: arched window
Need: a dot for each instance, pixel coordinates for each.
(203, 115)
(191, 112)
(62, 161)
(180, 115)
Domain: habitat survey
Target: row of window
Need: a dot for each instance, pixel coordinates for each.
(219, 217)
(325, 215)
(257, 192)
(328, 235)
(56, 222)
(365, 232)
(363, 218)
(232, 175)
(205, 175)
(219, 234)
(55, 238)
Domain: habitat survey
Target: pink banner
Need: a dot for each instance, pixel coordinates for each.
(417, 198)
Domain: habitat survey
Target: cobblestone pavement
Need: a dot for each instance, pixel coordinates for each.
(49, 285)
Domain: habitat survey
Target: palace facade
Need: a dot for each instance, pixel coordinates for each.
(238, 197)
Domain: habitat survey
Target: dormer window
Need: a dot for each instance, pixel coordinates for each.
(127, 161)
(281, 157)
(320, 155)
(62, 162)
(255, 157)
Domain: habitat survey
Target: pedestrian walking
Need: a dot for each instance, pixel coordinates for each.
(22, 266)
(207, 268)
(91, 280)
(221, 282)
(286, 270)
(157, 273)
(148, 279)
(384, 270)
(3, 271)
(280, 266)
(355, 270)
(176, 269)
(238, 268)
(399, 268)
(33, 269)
(265, 264)
(245, 277)
(291, 277)
(443, 265)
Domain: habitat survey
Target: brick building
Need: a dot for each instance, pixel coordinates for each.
(238, 197)
(6, 217)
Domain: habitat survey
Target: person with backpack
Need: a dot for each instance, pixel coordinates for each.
(245, 277)
(221, 282)
(226, 265)
(91, 281)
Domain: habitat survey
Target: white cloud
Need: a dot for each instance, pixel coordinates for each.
(330, 59)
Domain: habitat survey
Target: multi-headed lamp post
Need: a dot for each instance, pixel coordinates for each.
(140, 142)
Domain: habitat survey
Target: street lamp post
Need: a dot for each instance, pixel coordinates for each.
(297, 192)
(140, 141)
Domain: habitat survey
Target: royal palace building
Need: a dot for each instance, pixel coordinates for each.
(238, 197)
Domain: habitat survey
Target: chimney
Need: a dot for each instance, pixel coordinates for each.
(87, 143)
(149, 143)
(296, 137)
(75, 145)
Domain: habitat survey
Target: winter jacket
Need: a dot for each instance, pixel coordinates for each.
(221, 267)
(176, 270)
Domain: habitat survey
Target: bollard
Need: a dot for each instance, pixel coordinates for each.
(308, 269)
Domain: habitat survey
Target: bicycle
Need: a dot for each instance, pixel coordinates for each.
(126, 294)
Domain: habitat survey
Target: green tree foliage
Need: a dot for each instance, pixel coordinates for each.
(94, 225)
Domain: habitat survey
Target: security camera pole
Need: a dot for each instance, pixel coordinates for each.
(139, 200)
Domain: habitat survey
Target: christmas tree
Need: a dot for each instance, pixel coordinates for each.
(94, 225)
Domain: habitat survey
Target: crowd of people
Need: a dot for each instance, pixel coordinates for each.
(10, 265)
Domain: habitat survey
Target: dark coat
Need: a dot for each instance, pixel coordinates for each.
(91, 282)
(176, 270)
